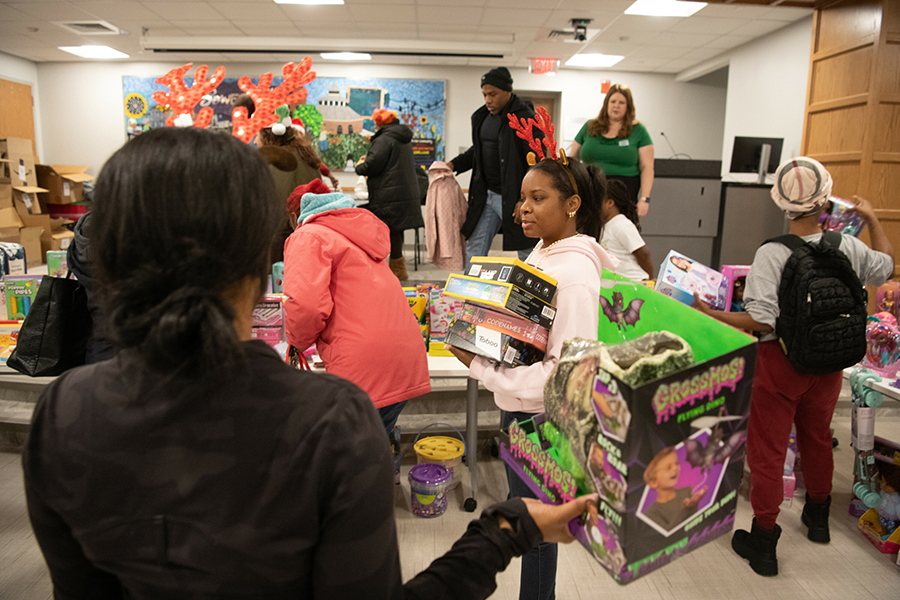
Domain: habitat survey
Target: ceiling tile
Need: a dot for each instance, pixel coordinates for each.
(8, 13)
(317, 14)
(245, 10)
(21, 27)
(610, 5)
(449, 15)
(635, 23)
(281, 27)
(115, 11)
(211, 28)
(21, 41)
(613, 47)
(675, 66)
(640, 64)
(701, 54)
(732, 11)
(728, 41)
(384, 13)
(788, 14)
(444, 2)
(52, 11)
(184, 11)
(528, 18)
(663, 52)
(692, 40)
(55, 36)
(560, 19)
(697, 24)
(759, 28)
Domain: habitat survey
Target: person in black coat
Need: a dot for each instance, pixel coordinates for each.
(498, 163)
(99, 347)
(394, 194)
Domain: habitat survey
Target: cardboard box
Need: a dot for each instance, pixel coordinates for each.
(680, 276)
(13, 256)
(492, 344)
(19, 170)
(500, 295)
(28, 197)
(698, 415)
(517, 327)
(64, 183)
(737, 282)
(516, 272)
(6, 193)
(20, 292)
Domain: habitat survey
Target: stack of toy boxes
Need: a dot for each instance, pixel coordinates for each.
(507, 312)
(268, 320)
(22, 219)
(736, 276)
(695, 417)
(680, 276)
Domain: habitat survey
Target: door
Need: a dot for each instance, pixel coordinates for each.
(16, 111)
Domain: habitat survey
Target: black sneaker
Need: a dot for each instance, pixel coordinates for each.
(815, 516)
(758, 546)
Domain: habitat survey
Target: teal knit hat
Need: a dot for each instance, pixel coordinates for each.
(313, 204)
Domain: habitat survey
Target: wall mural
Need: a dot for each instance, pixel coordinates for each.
(337, 112)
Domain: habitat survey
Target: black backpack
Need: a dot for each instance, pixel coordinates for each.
(822, 303)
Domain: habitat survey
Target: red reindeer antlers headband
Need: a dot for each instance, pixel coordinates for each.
(182, 99)
(525, 129)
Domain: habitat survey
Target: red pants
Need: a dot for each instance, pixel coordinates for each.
(782, 396)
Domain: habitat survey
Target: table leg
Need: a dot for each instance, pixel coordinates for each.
(472, 440)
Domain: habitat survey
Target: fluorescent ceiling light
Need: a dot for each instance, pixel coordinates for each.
(664, 8)
(93, 51)
(346, 56)
(309, 2)
(593, 60)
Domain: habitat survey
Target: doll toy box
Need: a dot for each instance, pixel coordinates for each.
(881, 524)
(679, 277)
(516, 272)
(653, 418)
(887, 298)
(841, 218)
(737, 282)
(503, 296)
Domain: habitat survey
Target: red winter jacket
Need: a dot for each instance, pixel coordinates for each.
(343, 297)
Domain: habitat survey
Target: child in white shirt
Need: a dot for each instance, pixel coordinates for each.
(621, 234)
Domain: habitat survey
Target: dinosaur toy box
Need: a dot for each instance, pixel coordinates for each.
(679, 277)
(652, 415)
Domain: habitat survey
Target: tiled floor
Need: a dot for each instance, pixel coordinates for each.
(847, 569)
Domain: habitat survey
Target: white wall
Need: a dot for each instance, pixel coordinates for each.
(92, 126)
(767, 81)
(13, 68)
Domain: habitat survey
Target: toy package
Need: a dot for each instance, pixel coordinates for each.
(882, 345)
(653, 418)
(441, 310)
(680, 276)
(278, 277)
(491, 343)
(887, 298)
(418, 304)
(516, 272)
(9, 336)
(57, 264)
(841, 218)
(881, 523)
(20, 292)
(268, 320)
(13, 257)
(501, 295)
(737, 281)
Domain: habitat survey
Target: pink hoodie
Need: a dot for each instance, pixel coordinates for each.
(577, 264)
(343, 297)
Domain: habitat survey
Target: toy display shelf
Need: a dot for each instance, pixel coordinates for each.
(887, 390)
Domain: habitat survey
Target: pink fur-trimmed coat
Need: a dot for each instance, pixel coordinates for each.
(445, 213)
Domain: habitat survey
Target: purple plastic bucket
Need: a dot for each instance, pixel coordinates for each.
(428, 485)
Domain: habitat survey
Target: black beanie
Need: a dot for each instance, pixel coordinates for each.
(499, 78)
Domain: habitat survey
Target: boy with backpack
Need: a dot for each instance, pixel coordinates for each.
(805, 294)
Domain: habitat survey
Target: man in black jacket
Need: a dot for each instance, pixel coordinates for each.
(497, 160)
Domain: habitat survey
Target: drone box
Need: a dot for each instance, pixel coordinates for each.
(690, 424)
(514, 271)
(680, 276)
(501, 295)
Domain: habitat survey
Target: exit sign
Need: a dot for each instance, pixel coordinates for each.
(544, 66)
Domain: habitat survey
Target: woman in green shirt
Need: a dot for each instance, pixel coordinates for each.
(619, 145)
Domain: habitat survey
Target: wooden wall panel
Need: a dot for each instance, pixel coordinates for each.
(846, 178)
(847, 25)
(887, 128)
(884, 183)
(842, 75)
(16, 111)
(889, 74)
(836, 130)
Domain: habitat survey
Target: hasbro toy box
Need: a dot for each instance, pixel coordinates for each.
(516, 272)
(653, 418)
(504, 296)
(737, 282)
(679, 277)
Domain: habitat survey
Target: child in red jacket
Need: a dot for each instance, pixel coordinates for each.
(343, 297)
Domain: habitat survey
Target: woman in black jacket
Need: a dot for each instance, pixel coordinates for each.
(394, 194)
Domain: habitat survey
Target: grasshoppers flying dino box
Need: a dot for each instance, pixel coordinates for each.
(652, 416)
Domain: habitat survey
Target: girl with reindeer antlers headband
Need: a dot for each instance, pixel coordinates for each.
(562, 201)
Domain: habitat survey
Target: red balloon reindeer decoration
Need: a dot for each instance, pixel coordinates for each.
(182, 99)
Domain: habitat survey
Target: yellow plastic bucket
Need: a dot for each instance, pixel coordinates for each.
(442, 450)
